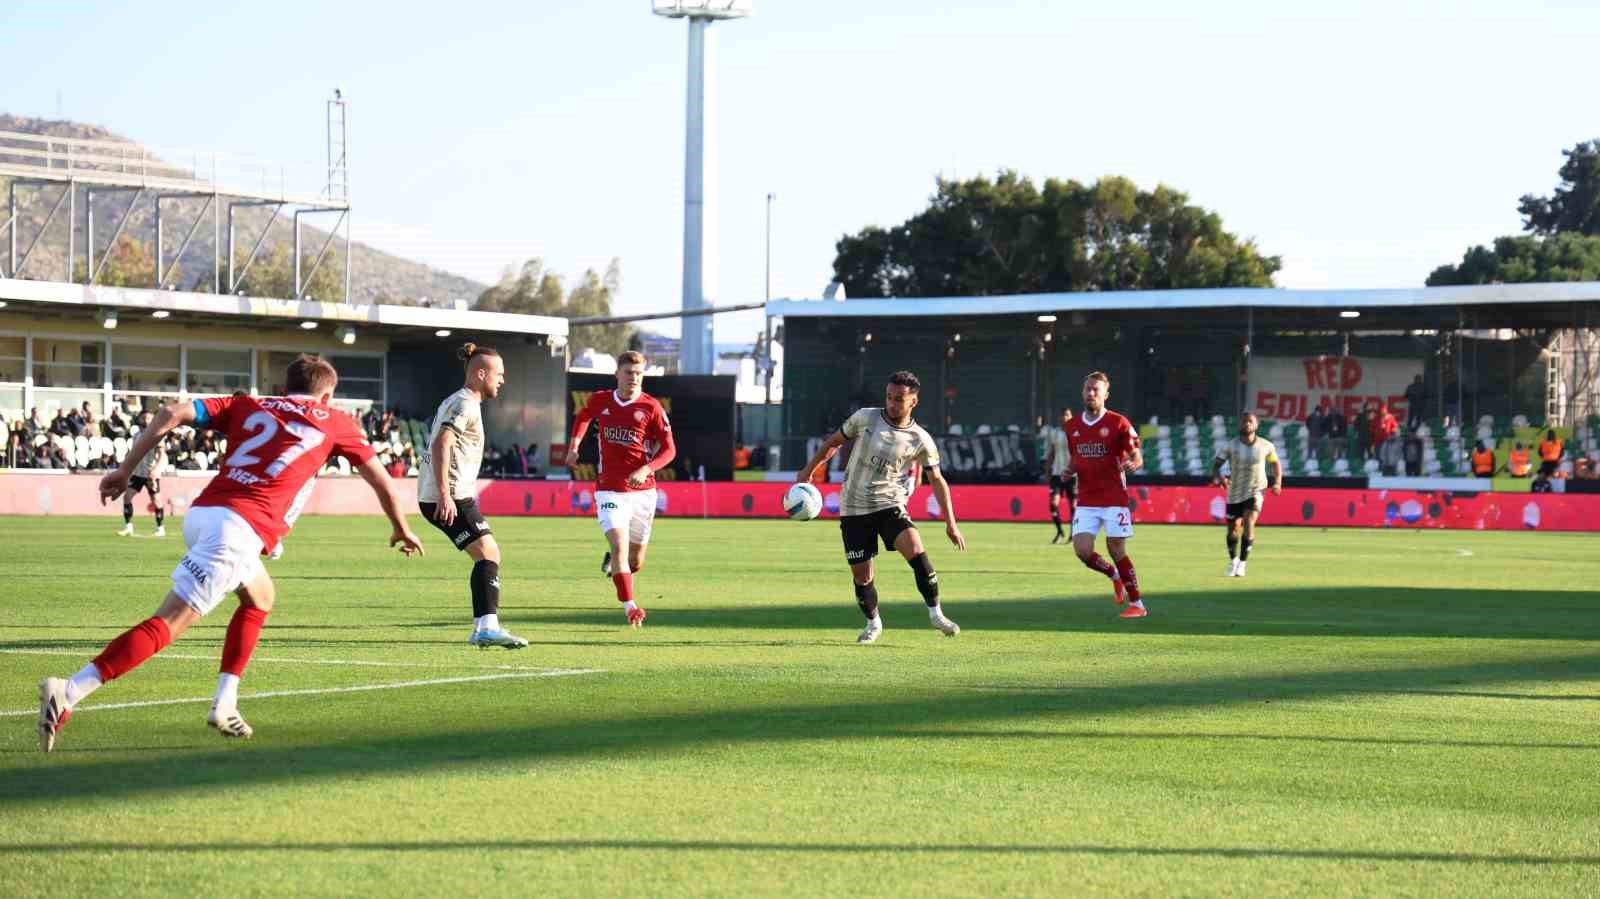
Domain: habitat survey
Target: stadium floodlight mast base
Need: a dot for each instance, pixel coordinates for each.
(698, 354)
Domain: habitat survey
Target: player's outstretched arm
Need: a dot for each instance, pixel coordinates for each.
(372, 472)
(941, 492)
(829, 447)
(171, 416)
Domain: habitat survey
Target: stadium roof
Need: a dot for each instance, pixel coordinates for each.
(56, 298)
(1217, 299)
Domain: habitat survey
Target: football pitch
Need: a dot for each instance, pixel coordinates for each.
(1368, 713)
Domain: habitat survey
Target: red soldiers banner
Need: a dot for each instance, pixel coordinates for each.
(1287, 388)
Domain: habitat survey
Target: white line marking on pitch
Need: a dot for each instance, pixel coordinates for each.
(364, 688)
(1463, 552)
(178, 656)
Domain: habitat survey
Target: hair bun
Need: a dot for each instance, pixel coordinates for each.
(466, 351)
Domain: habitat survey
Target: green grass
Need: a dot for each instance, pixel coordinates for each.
(1369, 713)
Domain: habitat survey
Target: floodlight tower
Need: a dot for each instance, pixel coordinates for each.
(698, 353)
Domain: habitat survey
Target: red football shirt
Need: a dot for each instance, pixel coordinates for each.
(631, 434)
(276, 446)
(1098, 448)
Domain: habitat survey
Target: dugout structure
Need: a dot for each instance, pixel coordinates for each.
(996, 364)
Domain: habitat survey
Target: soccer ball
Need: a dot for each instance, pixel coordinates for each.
(803, 502)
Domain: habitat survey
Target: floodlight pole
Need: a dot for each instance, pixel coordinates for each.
(698, 353)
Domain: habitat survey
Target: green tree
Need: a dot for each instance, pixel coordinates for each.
(128, 263)
(1525, 258)
(1574, 208)
(1564, 243)
(531, 289)
(985, 237)
(272, 275)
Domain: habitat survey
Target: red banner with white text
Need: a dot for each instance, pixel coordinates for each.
(23, 494)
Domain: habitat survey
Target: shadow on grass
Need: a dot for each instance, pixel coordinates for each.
(865, 847)
(579, 732)
(1302, 612)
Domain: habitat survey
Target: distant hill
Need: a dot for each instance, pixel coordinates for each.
(377, 276)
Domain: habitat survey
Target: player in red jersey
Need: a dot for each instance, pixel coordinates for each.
(635, 443)
(276, 447)
(1105, 449)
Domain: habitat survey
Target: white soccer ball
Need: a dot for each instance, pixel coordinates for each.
(803, 502)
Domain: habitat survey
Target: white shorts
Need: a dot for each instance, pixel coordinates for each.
(1116, 520)
(224, 554)
(632, 511)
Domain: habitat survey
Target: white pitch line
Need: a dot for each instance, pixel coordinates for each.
(178, 656)
(365, 688)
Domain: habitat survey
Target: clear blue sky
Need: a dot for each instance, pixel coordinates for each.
(1365, 142)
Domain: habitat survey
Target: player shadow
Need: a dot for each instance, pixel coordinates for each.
(864, 847)
(286, 753)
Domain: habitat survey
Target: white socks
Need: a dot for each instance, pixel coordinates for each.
(934, 612)
(227, 692)
(489, 622)
(83, 683)
(629, 606)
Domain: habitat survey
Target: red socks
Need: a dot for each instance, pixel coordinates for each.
(243, 632)
(129, 651)
(624, 582)
(1097, 562)
(1130, 580)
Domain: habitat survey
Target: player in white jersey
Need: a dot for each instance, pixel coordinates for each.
(878, 479)
(1246, 458)
(146, 476)
(446, 479)
(1063, 480)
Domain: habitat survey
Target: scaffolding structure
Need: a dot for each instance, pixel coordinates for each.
(56, 170)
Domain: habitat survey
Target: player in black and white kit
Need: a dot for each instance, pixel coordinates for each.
(446, 484)
(1063, 480)
(147, 477)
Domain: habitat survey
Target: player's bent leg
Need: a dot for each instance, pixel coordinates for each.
(1233, 527)
(909, 544)
(861, 576)
(1127, 577)
(622, 574)
(636, 555)
(58, 696)
(1248, 528)
(256, 598)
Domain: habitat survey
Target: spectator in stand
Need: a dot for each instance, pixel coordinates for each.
(1317, 428)
(1452, 400)
(16, 452)
(1413, 454)
(741, 456)
(57, 457)
(1483, 464)
(1338, 431)
(385, 426)
(59, 425)
(1361, 431)
(75, 422)
(1384, 428)
(116, 422)
(35, 423)
(1584, 469)
(1550, 450)
(530, 460)
(1416, 403)
(1541, 484)
(106, 462)
(396, 466)
(91, 424)
(1520, 463)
